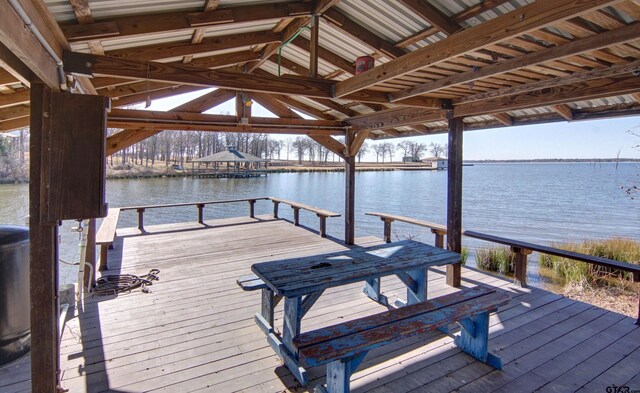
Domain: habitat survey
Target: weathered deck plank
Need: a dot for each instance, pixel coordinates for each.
(195, 330)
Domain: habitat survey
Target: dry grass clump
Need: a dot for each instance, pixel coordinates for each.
(496, 259)
(576, 272)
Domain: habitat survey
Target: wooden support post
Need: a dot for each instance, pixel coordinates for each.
(43, 238)
(439, 241)
(387, 229)
(520, 274)
(275, 209)
(90, 256)
(296, 215)
(454, 198)
(323, 225)
(141, 220)
(636, 278)
(104, 249)
(313, 55)
(350, 194)
(200, 213)
(252, 208)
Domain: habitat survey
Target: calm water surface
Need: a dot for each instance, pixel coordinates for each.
(537, 202)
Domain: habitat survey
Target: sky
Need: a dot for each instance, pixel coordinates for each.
(581, 139)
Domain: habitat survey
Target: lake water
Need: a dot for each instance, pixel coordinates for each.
(536, 202)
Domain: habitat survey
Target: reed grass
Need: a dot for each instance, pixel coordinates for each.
(619, 249)
(496, 259)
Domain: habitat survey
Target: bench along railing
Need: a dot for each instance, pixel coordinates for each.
(321, 213)
(521, 249)
(107, 232)
(438, 230)
(199, 205)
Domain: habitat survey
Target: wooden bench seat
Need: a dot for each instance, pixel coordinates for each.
(106, 234)
(251, 283)
(321, 213)
(342, 347)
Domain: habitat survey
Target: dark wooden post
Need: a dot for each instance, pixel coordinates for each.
(200, 213)
(313, 55)
(323, 225)
(275, 208)
(387, 229)
(454, 198)
(252, 208)
(439, 241)
(636, 278)
(90, 255)
(43, 237)
(141, 220)
(350, 193)
(520, 274)
(296, 215)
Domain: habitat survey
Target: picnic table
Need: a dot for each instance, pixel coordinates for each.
(301, 282)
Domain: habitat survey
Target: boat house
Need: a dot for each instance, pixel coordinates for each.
(359, 70)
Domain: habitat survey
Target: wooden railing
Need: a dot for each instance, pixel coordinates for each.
(199, 205)
(520, 248)
(321, 213)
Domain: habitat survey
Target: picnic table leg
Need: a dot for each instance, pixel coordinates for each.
(416, 282)
(474, 339)
(264, 319)
(372, 290)
(339, 373)
(293, 312)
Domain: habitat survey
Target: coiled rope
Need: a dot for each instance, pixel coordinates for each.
(112, 285)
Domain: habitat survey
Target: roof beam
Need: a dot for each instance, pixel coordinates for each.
(269, 50)
(20, 97)
(182, 21)
(395, 118)
(321, 6)
(563, 110)
(355, 30)
(198, 34)
(520, 21)
(625, 69)
(357, 142)
(503, 118)
(579, 91)
(432, 15)
(584, 45)
(94, 65)
(154, 95)
(273, 105)
(128, 137)
(331, 144)
(211, 44)
(17, 37)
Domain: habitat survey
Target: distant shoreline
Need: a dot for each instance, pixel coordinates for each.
(554, 160)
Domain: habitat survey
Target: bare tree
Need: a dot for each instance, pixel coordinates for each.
(437, 150)
(378, 148)
(364, 149)
(406, 147)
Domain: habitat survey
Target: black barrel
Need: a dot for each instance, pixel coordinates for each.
(15, 339)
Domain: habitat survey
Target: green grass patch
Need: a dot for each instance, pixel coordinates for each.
(496, 259)
(571, 271)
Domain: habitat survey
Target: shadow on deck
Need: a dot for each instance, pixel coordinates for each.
(195, 330)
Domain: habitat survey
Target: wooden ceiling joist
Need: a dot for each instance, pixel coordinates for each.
(360, 33)
(396, 118)
(274, 106)
(82, 10)
(563, 110)
(586, 90)
(333, 145)
(432, 15)
(17, 98)
(154, 95)
(182, 21)
(520, 21)
(626, 34)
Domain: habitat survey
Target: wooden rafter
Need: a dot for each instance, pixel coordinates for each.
(360, 33)
(273, 105)
(357, 142)
(530, 17)
(154, 95)
(321, 6)
(17, 98)
(432, 15)
(333, 145)
(395, 118)
(198, 34)
(626, 69)
(128, 137)
(586, 90)
(503, 118)
(563, 110)
(94, 65)
(182, 21)
(626, 34)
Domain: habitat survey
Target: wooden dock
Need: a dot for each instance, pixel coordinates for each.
(195, 331)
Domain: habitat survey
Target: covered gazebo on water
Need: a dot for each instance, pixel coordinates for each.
(229, 163)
